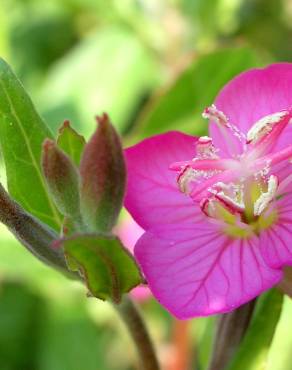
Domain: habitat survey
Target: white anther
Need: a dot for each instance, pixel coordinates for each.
(184, 178)
(205, 139)
(205, 148)
(222, 120)
(266, 198)
(264, 126)
(216, 115)
(208, 207)
(229, 195)
(222, 186)
(233, 204)
(189, 175)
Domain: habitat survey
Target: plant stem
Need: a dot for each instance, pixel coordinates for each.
(137, 329)
(34, 235)
(230, 331)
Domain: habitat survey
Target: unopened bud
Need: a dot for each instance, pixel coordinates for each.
(62, 180)
(103, 177)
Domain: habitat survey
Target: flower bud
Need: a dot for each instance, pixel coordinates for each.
(62, 180)
(103, 177)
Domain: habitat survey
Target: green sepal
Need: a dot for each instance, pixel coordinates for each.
(71, 142)
(106, 266)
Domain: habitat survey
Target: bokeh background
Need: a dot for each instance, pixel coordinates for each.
(153, 65)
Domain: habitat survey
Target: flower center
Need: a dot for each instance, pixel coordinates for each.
(240, 192)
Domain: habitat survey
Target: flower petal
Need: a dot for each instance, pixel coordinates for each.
(152, 192)
(194, 270)
(251, 96)
(276, 246)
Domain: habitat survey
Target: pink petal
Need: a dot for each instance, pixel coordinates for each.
(129, 232)
(141, 293)
(276, 242)
(152, 192)
(251, 96)
(194, 270)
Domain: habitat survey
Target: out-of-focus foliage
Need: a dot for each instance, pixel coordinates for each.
(153, 65)
(189, 94)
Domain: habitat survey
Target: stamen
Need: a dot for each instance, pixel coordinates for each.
(208, 207)
(202, 190)
(205, 148)
(232, 204)
(189, 175)
(266, 198)
(219, 209)
(263, 173)
(264, 126)
(213, 114)
(184, 178)
(206, 164)
(229, 194)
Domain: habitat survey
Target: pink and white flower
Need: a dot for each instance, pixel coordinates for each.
(217, 211)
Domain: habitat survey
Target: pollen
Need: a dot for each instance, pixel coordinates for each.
(264, 126)
(216, 115)
(220, 118)
(205, 148)
(267, 197)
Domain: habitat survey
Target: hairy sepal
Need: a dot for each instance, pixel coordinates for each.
(71, 142)
(108, 269)
(103, 178)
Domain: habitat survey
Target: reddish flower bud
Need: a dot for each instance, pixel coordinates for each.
(103, 177)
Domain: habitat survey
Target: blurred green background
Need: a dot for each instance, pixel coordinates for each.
(153, 65)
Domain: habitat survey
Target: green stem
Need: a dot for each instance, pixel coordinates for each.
(35, 236)
(230, 331)
(138, 331)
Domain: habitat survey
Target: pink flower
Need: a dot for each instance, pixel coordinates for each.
(129, 232)
(217, 210)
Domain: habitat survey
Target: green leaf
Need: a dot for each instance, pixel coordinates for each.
(181, 106)
(253, 352)
(71, 142)
(22, 132)
(108, 268)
